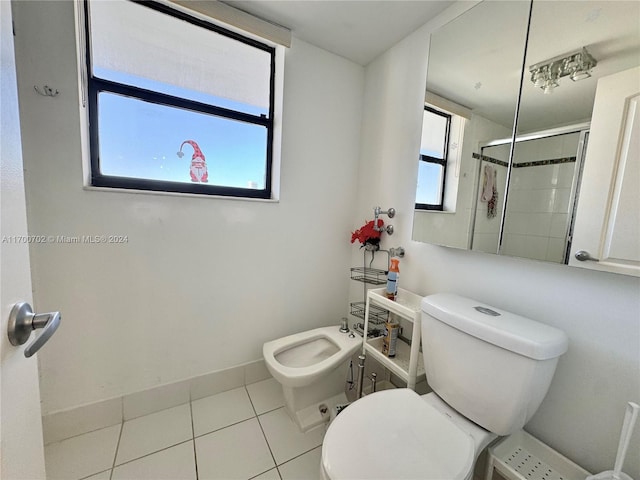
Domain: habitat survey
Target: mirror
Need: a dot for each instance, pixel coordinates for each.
(474, 71)
(542, 187)
(542, 190)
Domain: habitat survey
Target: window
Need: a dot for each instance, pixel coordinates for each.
(177, 104)
(432, 167)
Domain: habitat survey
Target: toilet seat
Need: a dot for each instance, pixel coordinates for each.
(396, 435)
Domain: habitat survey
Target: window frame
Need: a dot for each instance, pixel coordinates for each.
(439, 161)
(96, 85)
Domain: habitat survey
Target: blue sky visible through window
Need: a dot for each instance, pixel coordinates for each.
(429, 183)
(431, 153)
(141, 139)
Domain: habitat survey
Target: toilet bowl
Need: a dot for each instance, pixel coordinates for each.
(311, 366)
(489, 370)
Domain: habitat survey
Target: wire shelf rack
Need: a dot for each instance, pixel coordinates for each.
(373, 332)
(377, 315)
(374, 276)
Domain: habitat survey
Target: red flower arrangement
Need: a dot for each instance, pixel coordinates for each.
(368, 236)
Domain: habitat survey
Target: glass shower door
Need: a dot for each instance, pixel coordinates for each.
(542, 192)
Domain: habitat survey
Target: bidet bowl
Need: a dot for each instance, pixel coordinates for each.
(300, 359)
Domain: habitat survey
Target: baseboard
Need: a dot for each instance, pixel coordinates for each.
(68, 423)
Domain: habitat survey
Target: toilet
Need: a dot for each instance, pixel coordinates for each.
(489, 370)
(312, 368)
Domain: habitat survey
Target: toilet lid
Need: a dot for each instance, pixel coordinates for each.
(395, 435)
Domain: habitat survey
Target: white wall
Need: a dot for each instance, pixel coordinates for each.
(583, 411)
(202, 282)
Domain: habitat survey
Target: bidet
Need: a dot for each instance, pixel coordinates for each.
(311, 366)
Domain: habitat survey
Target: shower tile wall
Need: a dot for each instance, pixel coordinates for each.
(539, 199)
(486, 230)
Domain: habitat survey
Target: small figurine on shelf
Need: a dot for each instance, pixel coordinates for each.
(368, 236)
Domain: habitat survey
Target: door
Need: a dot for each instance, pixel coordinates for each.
(607, 225)
(21, 448)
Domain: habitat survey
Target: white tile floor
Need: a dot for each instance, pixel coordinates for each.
(239, 434)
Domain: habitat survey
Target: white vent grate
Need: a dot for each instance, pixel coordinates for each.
(530, 466)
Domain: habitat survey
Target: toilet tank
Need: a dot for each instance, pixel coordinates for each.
(492, 366)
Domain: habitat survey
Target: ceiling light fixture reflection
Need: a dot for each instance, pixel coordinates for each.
(576, 65)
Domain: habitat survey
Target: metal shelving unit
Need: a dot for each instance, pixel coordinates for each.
(373, 276)
(377, 315)
(368, 276)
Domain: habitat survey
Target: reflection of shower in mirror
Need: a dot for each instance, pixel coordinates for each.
(542, 193)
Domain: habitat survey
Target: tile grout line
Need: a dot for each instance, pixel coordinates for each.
(113, 466)
(152, 453)
(115, 455)
(111, 469)
(265, 437)
(98, 473)
(144, 415)
(193, 436)
(221, 428)
(109, 426)
(255, 414)
(262, 430)
(269, 411)
(298, 456)
(276, 469)
(83, 433)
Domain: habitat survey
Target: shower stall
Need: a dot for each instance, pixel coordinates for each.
(533, 213)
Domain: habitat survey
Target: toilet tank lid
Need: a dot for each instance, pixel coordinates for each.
(501, 328)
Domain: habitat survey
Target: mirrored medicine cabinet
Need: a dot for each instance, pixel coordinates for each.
(545, 164)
